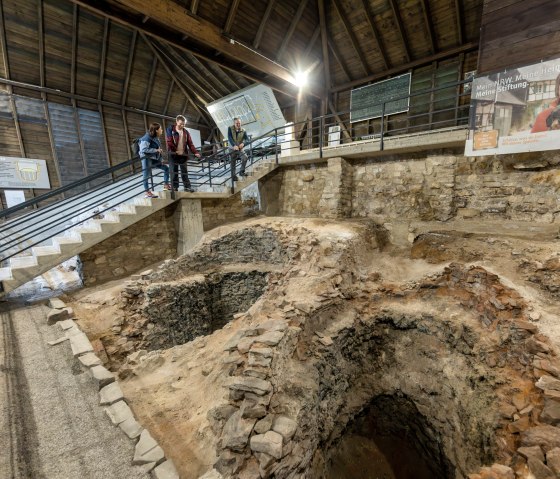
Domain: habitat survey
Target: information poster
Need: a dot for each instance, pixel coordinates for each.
(255, 106)
(23, 173)
(516, 110)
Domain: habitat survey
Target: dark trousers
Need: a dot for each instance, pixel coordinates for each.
(235, 154)
(180, 162)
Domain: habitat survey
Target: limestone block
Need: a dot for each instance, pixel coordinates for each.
(102, 376)
(237, 431)
(548, 382)
(271, 338)
(534, 451)
(119, 412)
(551, 412)
(265, 424)
(67, 324)
(269, 443)
(545, 436)
(89, 360)
(553, 460)
(539, 469)
(131, 428)
(166, 470)
(80, 344)
(285, 426)
(250, 384)
(211, 474)
(55, 315)
(147, 450)
(245, 344)
(110, 394)
(272, 325)
(56, 303)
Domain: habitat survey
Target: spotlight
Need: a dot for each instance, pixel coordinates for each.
(301, 79)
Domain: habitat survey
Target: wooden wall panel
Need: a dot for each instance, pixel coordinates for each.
(117, 60)
(140, 74)
(90, 38)
(516, 33)
(117, 140)
(58, 44)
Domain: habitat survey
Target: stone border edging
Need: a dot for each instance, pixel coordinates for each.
(148, 452)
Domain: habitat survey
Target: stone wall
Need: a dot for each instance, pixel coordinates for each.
(150, 240)
(216, 212)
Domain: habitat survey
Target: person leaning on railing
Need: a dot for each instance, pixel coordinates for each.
(178, 140)
(237, 138)
(151, 154)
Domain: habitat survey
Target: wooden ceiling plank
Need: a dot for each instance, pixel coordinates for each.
(4, 47)
(404, 68)
(459, 16)
(231, 15)
(103, 62)
(350, 34)
(207, 72)
(168, 97)
(248, 77)
(74, 48)
(129, 66)
(172, 75)
(291, 30)
(397, 15)
(150, 85)
(260, 31)
(339, 61)
(428, 22)
(194, 6)
(376, 36)
(324, 43)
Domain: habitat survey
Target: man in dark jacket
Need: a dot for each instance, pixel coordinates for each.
(178, 140)
(237, 138)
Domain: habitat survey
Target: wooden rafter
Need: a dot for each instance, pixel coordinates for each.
(4, 46)
(150, 84)
(260, 31)
(398, 21)
(204, 70)
(459, 17)
(194, 6)
(350, 33)
(376, 36)
(312, 40)
(339, 60)
(428, 23)
(290, 32)
(168, 96)
(103, 61)
(74, 48)
(231, 15)
(172, 75)
(229, 77)
(41, 34)
(337, 118)
(324, 43)
(129, 66)
(407, 66)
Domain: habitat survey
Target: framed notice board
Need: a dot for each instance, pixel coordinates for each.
(367, 102)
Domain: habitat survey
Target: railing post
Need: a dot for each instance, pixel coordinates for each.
(321, 134)
(276, 143)
(251, 149)
(382, 126)
(172, 175)
(209, 174)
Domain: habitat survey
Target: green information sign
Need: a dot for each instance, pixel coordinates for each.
(367, 102)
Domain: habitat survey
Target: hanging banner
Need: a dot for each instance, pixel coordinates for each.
(255, 106)
(515, 111)
(23, 173)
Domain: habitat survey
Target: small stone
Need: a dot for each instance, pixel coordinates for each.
(56, 303)
(110, 394)
(58, 341)
(250, 384)
(131, 428)
(166, 470)
(119, 412)
(265, 424)
(55, 315)
(80, 344)
(147, 450)
(271, 338)
(553, 460)
(211, 474)
(545, 436)
(551, 412)
(101, 376)
(89, 360)
(237, 431)
(548, 382)
(520, 425)
(245, 344)
(534, 316)
(66, 324)
(272, 325)
(284, 426)
(534, 451)
(265, 460)
(326, 341)
(539, 469)
(269, 443)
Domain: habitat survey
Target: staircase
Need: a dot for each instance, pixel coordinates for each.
(258, 171)
(39, 259)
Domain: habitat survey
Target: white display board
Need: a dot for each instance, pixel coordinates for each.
(255, 105)
(23, 173)
(195, 135)
(14, 197)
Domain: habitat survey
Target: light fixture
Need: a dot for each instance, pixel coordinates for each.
(300, 78)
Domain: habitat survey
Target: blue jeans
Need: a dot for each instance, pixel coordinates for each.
(147, 165)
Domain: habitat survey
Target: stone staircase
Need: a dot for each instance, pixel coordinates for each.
(258, 171)
(39, 259)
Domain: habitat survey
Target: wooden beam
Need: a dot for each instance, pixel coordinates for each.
(400, 28)
(129, 66)
(339, 60)
(312, 41)
(126, 137)
(176, 17)
(293, 25)
(150, 85)
(206, 72)
(74, 48)
(172, 75)
(403, 68)
(104, 131)
(103, 62)
(231, 15)
(194, 6)
(51, 138)
(3, 46)
(350, 33)
(232, 64)
(41, 34)
(337, 118)
(260, 31)
(376, 36)
(459, 17)
(324, 43)
(168, 97)
(428, 23)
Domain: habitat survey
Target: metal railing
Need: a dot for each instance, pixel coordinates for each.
(53, 213)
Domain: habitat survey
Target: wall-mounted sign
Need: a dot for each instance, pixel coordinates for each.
(515, 110)
(367, 102)
(23, 173)
(256, 107)
(14, 197)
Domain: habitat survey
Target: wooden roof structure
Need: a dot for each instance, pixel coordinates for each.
(178, 55)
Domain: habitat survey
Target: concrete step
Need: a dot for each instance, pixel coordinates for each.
(19, 262)
(45, 250)
(6, 274)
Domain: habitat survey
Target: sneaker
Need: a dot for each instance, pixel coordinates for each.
(167, 187)
(235, 178)
(242, 173)
(190, 189)
(149, 194)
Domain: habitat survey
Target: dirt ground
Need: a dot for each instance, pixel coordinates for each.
(171, 391)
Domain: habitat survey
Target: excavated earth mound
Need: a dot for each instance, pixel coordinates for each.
(299, 348)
